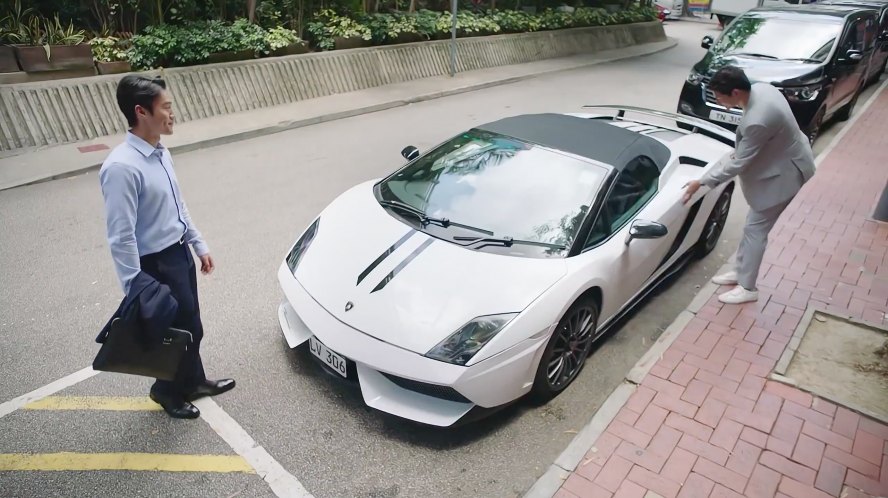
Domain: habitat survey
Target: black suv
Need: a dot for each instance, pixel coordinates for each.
(817, 55)
(880, 56)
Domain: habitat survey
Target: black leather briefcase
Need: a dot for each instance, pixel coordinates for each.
(124, 352)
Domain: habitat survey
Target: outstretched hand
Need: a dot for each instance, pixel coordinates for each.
(690, 189)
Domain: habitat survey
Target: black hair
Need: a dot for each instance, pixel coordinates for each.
(728, 79)
(138, 90)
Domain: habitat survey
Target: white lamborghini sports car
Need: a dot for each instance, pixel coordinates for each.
(484, 269)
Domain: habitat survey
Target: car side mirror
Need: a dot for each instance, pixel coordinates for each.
(641, 229)
(707, 42)
(410, 152)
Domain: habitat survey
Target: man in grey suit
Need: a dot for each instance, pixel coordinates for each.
(772, 159)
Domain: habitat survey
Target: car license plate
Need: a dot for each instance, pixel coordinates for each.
(725, 117)
(333, 360)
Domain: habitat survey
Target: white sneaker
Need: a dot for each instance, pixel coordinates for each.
(739, 295)
(729, 278)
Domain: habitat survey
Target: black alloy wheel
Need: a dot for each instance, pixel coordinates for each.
(715, 224)
(567, 350)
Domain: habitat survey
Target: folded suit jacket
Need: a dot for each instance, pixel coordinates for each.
(150, 305)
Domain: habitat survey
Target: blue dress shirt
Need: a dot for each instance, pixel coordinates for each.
(144, 209)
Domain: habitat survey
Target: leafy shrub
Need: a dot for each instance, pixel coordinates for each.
(192, 43)
(468, 24)
(556, 19)
(386, 28)
(515, 21)
(108, 49)
(279, 37)
(328, 25)
(585, 16)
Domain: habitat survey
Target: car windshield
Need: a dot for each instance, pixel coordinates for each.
(769, 38)
(505, 186)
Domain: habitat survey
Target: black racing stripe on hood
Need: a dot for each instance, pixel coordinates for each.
(388, 278)
(384, 255)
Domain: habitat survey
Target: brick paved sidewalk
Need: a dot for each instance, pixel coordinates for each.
(706, 421)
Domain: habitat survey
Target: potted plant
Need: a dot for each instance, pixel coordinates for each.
(240, 40)
(12, 31)
(282, 41)
(110, 55)
(50, 46)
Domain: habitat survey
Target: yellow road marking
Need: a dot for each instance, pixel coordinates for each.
(113, 403)
(123, 461)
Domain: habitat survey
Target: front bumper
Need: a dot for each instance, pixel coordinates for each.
(694, 102)
(402, 382)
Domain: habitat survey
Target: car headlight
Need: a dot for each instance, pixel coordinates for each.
(803, 93)
(695, 78)
(298, 250)
(462, 345)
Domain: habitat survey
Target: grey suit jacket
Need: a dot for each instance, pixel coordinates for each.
(772, 157)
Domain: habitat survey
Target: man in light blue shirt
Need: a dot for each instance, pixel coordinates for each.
(150, 230)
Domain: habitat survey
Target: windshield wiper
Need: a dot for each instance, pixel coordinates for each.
(425, 219)
(802, 59)
(753, 54)
(507, 242)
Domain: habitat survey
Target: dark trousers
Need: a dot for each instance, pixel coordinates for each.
(174, 267)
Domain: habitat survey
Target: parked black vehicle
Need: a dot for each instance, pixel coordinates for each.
(880, 56)
(818, 55)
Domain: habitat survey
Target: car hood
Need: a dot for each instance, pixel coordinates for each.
(784, 73)
(405, 287)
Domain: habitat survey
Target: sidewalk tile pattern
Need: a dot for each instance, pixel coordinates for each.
(706, 421)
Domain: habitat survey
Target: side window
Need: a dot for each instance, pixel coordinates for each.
(855, 36)
(634, 186)
(871, 33)
(884, 26)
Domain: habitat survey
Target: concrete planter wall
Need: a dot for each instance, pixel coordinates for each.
(64, 111)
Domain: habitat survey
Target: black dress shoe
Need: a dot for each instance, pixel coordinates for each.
(176, 408)
(210, 388)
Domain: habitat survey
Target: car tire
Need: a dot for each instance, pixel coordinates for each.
(579, 322)
(845, 113)
(813, 130)
(715, 224)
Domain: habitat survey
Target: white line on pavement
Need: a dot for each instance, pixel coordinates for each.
(281, 482)
(47, 390)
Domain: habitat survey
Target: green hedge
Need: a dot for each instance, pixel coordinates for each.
(181, 45)
(428, 25)
(172, 45)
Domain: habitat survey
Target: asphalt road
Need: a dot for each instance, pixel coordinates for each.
(250, 199)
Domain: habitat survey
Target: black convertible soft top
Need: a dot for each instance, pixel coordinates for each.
(590, 138)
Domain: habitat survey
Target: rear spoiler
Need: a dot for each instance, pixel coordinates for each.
(695, 125)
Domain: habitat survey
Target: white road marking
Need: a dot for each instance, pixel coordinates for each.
(47, 390)
(281, 482)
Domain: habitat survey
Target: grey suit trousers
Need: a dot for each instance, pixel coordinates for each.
(754, 241)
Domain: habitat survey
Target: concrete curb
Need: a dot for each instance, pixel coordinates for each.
(323, 118)
(550, 482)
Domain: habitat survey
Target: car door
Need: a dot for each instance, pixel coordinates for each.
(847, 72)
(633, 197)
(880, 57)
(871, 34)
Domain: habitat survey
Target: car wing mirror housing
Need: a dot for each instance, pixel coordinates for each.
(642, 229)
(410, 152)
